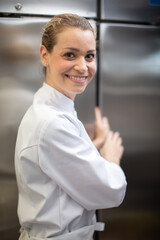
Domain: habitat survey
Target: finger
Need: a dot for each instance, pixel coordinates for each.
(115, 136)
(98, 115)
(119, 141)
(121, 151)
(106, 124)
(110, 135)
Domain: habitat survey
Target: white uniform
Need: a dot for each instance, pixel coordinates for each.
(62, 179)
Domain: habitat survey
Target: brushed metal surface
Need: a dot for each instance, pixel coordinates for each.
(130, 86)
(20, 77)
(130, 72)
(133, 11)
(86, 8)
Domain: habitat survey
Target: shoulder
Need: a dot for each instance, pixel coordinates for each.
(60, 123)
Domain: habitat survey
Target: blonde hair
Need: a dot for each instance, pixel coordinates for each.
(58, 23)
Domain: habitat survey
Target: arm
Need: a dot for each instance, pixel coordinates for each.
(73, 163)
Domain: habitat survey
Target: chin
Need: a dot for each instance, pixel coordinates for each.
(79, 91)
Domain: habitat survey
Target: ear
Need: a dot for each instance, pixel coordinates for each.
(44, 55)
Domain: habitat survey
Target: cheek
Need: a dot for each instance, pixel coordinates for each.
(58, 65)
(93, 68)
(64, 66)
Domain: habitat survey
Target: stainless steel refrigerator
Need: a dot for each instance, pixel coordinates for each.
(130, 97)
(21, 26)
(126, 86)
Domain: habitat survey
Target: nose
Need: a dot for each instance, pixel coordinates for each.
(81, 65)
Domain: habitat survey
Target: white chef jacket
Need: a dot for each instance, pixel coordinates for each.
(62, 179)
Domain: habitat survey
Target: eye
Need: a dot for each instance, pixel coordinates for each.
(90, 56)
(69, 55)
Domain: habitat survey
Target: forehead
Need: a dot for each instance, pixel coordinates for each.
(74, 37)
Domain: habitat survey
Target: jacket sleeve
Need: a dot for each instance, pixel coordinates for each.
(73, 163)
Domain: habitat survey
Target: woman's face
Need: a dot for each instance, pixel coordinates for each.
(71, 65)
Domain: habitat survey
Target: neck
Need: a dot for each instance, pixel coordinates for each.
(65, 93)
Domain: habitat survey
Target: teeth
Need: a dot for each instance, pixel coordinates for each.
(77, 78)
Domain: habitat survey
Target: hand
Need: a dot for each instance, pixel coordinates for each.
(101, 129)
(112, 150)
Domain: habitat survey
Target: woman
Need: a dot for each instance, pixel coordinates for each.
(63, 176)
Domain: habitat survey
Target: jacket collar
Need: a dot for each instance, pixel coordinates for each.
(51, 96)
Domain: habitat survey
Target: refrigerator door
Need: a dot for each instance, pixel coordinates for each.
(86, 8)
(20, 77)
(131, 11)
(130, 73)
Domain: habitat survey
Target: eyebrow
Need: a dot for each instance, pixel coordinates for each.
(77, 50)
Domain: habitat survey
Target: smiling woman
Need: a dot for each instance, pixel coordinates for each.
(71, 65)
(63, 176)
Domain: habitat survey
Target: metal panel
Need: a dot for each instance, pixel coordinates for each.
(20, 77)
(124, 10)
(86, 8)
(130, 73)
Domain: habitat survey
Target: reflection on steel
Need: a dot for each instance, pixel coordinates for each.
(130, 74)
(20, 77)
(86, 8)
(124, 10)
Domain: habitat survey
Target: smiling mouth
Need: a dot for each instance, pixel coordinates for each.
(78, 79)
